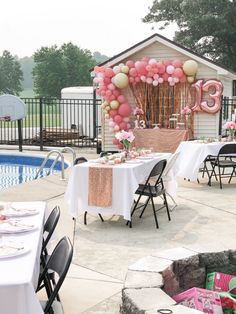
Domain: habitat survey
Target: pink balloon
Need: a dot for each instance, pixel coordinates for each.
(111, 124)
(152, 61)
(143, 78)
(126, 119)
(113, 113)
(121, 99)
(109, 72)
(167, 62)
(116, 128)
(116, 93)
(178, 72)
(170, 69)
(183, 79)
(155, 83)
(161, 68)
(116, 69)
(148, 67)
(215, 96)
(145, 59)
(156, 76)
(107, 80)
(111, 86)
(160, 80)
(124, 110)
(149, 80)
(123, 126)
(177, 63)
(117, 118)
(102, 93)
(112, 97)
(133, 72)
(165, 77)
(137, 79)
(131, 80)
(108, 92)
(115, 141)
(130, 64)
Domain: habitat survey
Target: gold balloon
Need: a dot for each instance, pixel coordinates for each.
(121, 80)
(190, 67)
(190, 79)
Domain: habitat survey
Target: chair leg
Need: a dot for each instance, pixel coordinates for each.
(144, 207)
(232, 175)
(220, 177)
(85, 218)
(101, 217)
(154, 213)
(167, 207)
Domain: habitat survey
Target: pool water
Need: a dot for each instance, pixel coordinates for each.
(16, 169)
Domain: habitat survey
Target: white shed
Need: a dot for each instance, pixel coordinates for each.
(161, 48)
(80, 100)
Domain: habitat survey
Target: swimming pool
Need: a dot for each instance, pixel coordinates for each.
(16, 169)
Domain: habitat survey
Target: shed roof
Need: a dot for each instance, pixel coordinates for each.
(165, 41)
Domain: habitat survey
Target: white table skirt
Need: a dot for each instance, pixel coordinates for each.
(192, 155)
(19, 275)
(126, 179)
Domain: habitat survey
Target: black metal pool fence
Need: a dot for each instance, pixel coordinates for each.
(70, 122)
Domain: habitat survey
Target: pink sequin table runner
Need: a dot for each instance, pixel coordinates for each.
(100, 186)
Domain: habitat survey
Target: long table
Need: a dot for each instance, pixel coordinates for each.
(19, 274)
(125, 181)
(192, 155)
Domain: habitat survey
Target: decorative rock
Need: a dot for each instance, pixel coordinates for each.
(214, 259)
(186, 265)
(136, 301)
(139, 279)
(192, 279)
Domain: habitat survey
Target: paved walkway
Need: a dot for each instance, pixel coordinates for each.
(205, 217)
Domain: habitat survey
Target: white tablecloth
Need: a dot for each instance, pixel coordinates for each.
(126, 179)
(19, 275)
(192, 155)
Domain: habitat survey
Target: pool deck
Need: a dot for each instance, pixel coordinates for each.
(204, 218)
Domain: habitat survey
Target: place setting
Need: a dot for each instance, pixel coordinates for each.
(16, 226)
(10, 248)
(10, 210)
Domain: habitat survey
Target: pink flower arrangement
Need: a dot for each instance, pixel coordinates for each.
(138, 111)
(230, 126)
(125, 138)
(186, 111)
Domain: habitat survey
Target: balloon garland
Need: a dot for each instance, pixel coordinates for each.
(111, 81)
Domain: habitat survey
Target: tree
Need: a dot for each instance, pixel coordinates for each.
(207, 27)
(27, 65)
(10, 74)
(56, 68)
(99, 57)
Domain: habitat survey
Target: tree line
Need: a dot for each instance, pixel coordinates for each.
(207, 27)
(48, 71)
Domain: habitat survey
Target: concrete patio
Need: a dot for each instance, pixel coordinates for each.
(204, 218)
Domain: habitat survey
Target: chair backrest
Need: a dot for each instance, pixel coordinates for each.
(50, 226)
(59, 262)
(227, 149)
(80, 160)
(157, 172)
(170, 164)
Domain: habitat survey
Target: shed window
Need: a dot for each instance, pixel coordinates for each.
(234, 88)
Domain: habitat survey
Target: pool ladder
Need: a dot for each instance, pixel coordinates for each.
(59, 154)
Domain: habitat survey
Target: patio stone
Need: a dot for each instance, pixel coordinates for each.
(137, 301)
(150, 263)
(143, 279)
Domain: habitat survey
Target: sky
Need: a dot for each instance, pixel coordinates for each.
(107, 26)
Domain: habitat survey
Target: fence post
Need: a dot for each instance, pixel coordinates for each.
(94, 113)
(20, 134)
(41, 122)
(220, 118)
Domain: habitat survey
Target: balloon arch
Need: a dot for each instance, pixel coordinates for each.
(161, 89)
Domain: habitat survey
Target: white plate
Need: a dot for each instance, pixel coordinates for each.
(18, 212)
(10, 249)
(97, 161)
(16, 226)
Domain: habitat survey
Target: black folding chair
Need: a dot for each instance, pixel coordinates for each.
(153, 187)
(48, 229)
(59, 262)
(228, 153)
(78, 161)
